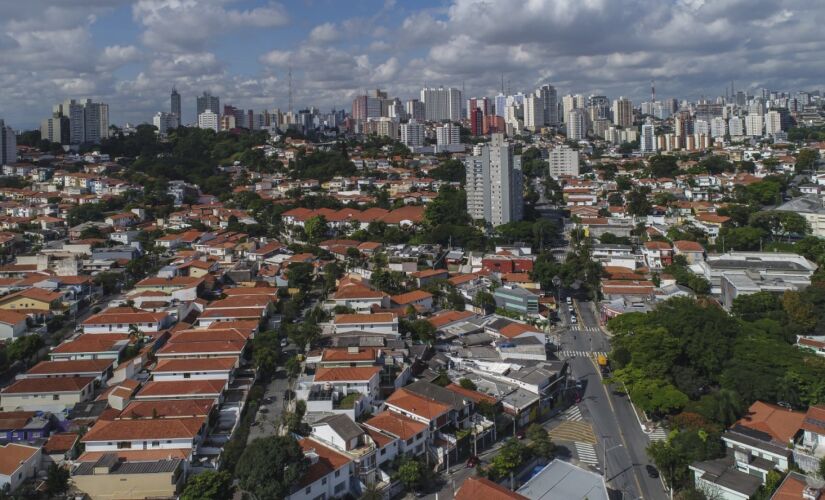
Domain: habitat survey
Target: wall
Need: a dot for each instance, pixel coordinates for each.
(129, 486)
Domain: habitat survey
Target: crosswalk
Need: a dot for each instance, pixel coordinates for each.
(572, 414)
(578, 354)
(658, 434)
(586, 453)
(584, 329)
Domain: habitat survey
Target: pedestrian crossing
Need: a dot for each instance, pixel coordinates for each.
(573, 414)
(658, 434)
(584, 329)
(586, 453)
(578, 354)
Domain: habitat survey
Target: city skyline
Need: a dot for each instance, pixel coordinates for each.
(131, 54)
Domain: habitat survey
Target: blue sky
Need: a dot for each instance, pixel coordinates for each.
(130, 53)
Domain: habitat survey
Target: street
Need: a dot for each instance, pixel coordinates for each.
(617, 429)
(268, 420)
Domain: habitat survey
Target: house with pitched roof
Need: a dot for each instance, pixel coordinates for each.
(329, 474)
(47, 394)
(18, 463)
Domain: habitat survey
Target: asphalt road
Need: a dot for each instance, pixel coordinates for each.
(268, 420)
(614, 421)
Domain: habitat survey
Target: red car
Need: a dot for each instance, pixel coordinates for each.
(472, 461)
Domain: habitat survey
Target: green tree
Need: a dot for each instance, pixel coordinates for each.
(57, 480)
(806, 160)
(300, 275)
(208, 485)
(410, 474)
(467, 384)
(316, 228)
(540, 442)
(637, 202)
(271, 466)
(509, 458)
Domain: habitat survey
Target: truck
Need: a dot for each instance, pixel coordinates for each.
(604, 364)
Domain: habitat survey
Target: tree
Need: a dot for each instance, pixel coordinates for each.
(409, 473)
(271, 466)
(467, 384)
(294, 420)
(208, 485)
(509, 459)
(806, 160)
(740, 238)
(540, 442)
(821, 467)
(451, 170)
(663, 166)
(316, 228)
(300, 275)
(484, 300)
(780, 224)
(637, 203)
(57, 480)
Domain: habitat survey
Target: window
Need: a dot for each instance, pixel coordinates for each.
(155, 443)
(383, 451)
(309, 488)
(339, 487)
(323, 481)
(337, 473)
(124, 444)
(187, 375)
(55, 397)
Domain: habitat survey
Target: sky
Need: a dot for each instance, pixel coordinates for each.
(130, 53)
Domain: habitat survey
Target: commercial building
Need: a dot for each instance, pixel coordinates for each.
(533, 112)
(494, 183)
(753, 125)
(447, 134)
(551, 106)
(174, 103)
(365, 107)
(563, 160)
(208, 102)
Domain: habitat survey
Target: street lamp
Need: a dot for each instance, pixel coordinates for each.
(604, 456)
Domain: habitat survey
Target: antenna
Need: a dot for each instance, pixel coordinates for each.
(290, 88)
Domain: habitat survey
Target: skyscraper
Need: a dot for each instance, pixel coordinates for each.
(494, 183)
(415, 109)
(365, 107)
(8, 145)
(174, 103)
(75, 122)
(576, 125)
(412, 134)
(210, 102)
(647, 141)
(623, 112)
(550, 101)
(164, 121)
(441, 104)
(55, 129)
(773, 122)
(533, 112)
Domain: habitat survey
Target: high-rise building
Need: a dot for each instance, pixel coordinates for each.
(682, 128)
(208, 101)
(576, 125)
(476, 121)
(164, 121)
(95, 121)
(73, 110)
(8, 145)
(647, 139)
(482, 103)
(550, 99)
(85, 121)
(441, 104)
(55, 129)
(415, 110)
(494, 183)
(365, 107)
(174, 103)
(563, 160)
(599, 107)
(753, 125)
(412, 134)
(568, 104)
(533, 112)
(500, 103)
(623, 112)
(701, 127)
(773, 122)
(718, 127)
(736, 127)
(447, 134)
(209, 119)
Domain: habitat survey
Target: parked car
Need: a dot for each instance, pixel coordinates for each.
(473, 461)
(520, 434)
(651, 471)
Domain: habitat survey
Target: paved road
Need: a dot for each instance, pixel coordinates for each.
(272, 406)
(614, 421)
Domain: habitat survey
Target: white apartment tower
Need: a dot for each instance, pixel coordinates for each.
(412, 134)
(494, 183)
(647, 141)
(753, 125)
(773, 122)
(441, 104)
(447, 134)
(563, 160)
(735, 126)
(533, 112)
(576, 125)
(164, 121)
(209, 119)
(718, 127)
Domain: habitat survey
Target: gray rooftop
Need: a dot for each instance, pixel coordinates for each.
(804, 204)
(115, 466)
(723, 472)
(342, 425)
(564, 480)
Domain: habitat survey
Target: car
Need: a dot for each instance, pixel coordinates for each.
(651, 471)
(473, 461)
(520, 434)
(284, 342)
(573, 320)
(569, 300)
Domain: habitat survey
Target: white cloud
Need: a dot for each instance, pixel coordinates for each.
(324, 33)
(117, 55)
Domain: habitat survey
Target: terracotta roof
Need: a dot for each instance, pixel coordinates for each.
(657, 245)
(395, 424)
(125, 316)
(333, 354)
(462, 278)
(469, 393)
(210, 334)
(181, 281)
(688, 246)
(815, 420)
(242, 301)
(195, 364)
(476, 488)
(781, 424)
(182, 388)
(89, 342)
(70, 366)
(417, 405)
(148, 429)
(344, 319)
(357, 291)
(47, 385)
(218, 346)
(12, 455)
(446, 317)
(15, 419)
(35, 293)
(174, 408)
(60, 442)
(328, 462)
(513, 330)
(11, 318)
(712, 218)
(250, 290)
(792, 488)
(342, 374)
(410, 297)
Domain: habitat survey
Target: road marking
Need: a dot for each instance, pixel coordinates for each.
(573, 354)
(586, 453)
(573, 432)
(573, 414)
(658, 434)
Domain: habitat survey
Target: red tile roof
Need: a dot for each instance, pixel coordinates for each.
(417, 405)
(410, 297)
(175, 408)
(60, 442)
(182, 388)
(147, 429)
(195, 364)
(12, 455)
(780, 423)
(70, 366)
(446, 317)
(328, 462)
(343, 374)
(333, 354)
(477, 488)
(47, 385)
(345, 319)
(397, 425)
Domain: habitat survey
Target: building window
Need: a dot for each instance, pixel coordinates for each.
(309, 488)
(55, 397)
(124, 444)
(323, 481)
(337, 473)
(155, 443)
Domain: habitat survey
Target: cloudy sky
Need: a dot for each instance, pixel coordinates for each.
(130, 53)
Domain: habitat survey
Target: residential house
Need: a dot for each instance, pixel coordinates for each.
(47, 394)
(127, 319)
(380, 323)
(18, 463)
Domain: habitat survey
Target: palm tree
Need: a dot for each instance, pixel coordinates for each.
(135, 333)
